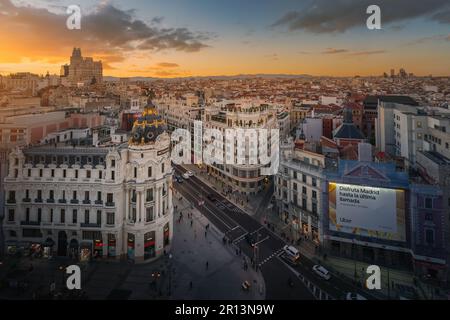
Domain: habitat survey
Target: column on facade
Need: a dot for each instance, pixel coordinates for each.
(127, 204)
(142, 206)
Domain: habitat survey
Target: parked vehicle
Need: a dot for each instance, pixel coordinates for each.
(185, 176)
(211, 197)
(190, 173)
(179, 179)
(321, 272)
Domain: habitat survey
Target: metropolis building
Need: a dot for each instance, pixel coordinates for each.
(111, 201)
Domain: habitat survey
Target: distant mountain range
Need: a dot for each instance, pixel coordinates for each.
(239, 76)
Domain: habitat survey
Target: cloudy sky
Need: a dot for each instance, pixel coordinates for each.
(172, 38)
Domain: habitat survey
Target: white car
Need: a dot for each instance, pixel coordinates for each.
(185, 175)
(292, 252)
(190, 173)
(354, 296)
(322, 272)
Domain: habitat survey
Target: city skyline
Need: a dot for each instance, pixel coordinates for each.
(199, 38)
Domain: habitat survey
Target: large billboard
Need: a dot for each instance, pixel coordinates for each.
(367, 211)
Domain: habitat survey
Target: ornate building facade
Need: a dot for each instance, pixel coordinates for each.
(109, 201)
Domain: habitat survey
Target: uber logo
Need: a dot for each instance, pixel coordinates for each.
(374, 20)
(74, 280)
(73, 22)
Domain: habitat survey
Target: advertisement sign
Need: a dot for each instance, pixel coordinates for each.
(367, 211)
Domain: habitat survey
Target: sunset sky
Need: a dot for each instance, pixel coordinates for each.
(176, 38)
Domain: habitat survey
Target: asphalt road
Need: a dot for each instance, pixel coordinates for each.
(236, 224)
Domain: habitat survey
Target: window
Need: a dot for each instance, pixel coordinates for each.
(304, 190)
(110, 218)
(314, 194)
(74, 216)
(304, 178)
(99, 217)
(63, 216)
(162, 167)
(428, 203)
(429, 236)
(74, 195)
(76, 174)
(113, 163)
(29, 172)
(39, 215)
(295, 175)
(12, 196)
(314, 208)
(51, 216)
(39, 194)
(149, 215)
(64, 194)
(304, 203)
(99, 196)
(149, 195)
(135, 172)
(295, 186)
(40, 173)
(314, 182)
(11, 215)
(27, 214)
(86, 195)
(100, 174)
(27, 194)
(86, 216)
(64, 173)
(51, 195)
(109, 198)
(149, 172)
(113, 175)
(53, 173)
(88, 174)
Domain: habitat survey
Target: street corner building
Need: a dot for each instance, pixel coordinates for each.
(84, 198)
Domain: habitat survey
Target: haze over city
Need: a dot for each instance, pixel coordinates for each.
(208, 38)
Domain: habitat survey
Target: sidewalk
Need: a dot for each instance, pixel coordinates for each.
(223, 277)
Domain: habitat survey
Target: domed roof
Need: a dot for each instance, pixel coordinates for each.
(148, 126)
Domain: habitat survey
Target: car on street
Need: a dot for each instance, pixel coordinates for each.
(189, 173)
(179, 179)
(321, 272)
(354, 296)
(291, 252)
(185, 175)
(211, 197)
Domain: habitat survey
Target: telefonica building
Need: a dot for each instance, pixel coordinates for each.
(89, 197)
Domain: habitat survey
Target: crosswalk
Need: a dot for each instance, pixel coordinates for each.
(229, 206)
(277, 253)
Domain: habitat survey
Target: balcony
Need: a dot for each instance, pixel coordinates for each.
(30, 223)
(62, 201)
(99, 202)
(11, 201)
(110, 204)
(90, 225)
(26, 200)
(74, 201)
(50, 200)
(38, 200)
(86, 201)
